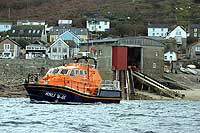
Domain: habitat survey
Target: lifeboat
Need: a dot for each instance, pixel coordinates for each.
(78, 82)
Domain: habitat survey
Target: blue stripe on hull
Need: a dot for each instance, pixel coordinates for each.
(64, 95)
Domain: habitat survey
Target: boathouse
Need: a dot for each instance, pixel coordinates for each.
(116, 54)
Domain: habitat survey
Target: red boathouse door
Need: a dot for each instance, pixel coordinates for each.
(119, 58)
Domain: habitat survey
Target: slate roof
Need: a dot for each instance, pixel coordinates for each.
(127, 41)
(158, 26)
(194, 26)
(26, 31)
(61, 30)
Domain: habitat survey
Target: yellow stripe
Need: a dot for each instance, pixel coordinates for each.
(77, 93)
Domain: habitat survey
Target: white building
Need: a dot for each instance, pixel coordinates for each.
(64, 22)
(170, 56)
(31, 22)
(36, 50)
(179, 34)
(157, 30)
(98, 25)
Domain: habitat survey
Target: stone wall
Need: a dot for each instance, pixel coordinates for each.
(153, 62)
(13, 71)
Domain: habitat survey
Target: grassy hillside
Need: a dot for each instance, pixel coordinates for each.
(132, 16)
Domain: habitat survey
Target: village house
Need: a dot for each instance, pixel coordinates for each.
(9, 49)
(36, 49)
(193, 51)
(59, 50)
(5, 26)
(29, 32)
(170, 56)
(194, 30)
(157, 30)
(180, 35)
(97, 24)
(81, 33)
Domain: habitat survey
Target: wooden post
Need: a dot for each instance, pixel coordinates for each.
(122, 80)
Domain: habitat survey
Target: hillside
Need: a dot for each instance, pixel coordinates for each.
(130, 16)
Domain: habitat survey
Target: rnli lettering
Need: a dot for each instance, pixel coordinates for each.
(57, 95)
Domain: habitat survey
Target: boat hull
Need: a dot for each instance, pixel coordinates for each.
(61, 94)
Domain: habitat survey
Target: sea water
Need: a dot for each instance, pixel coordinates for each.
(18, 115)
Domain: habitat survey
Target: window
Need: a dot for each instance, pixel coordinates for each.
(64, 71)
(161, 29)
(154, 65)
(81, 72)
(54, 50)
(6, 47)
(99, 27)
(105, 23)
(153, 34)
(161, 34)
(72, 73)
(13, 31)
(198, 48)
(178, 32)
(64, 50)
(153, 29)
(156, 53)
(29, 31)
(59, 49)
(195, 29)
(165, 57)
(195, 34)
(38, 31)
(55, 71)
(100, 52)
(77, 72)
(85, 72)
(34, 31)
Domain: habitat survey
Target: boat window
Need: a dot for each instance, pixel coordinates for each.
(64, 71)
(85, 72)
(55, 71)
(72, 73)
(77, 72)
(81, 72)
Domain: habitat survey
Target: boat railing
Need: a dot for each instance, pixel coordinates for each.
(111, 85)
(90, 65)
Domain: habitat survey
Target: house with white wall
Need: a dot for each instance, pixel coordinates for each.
(158, 30)
(180, 35)
(170, 56)
(96, 24)
(36, 49)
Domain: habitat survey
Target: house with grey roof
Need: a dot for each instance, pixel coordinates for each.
(29, 32)
(9, 48)
(54, 32)
(158, 30)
